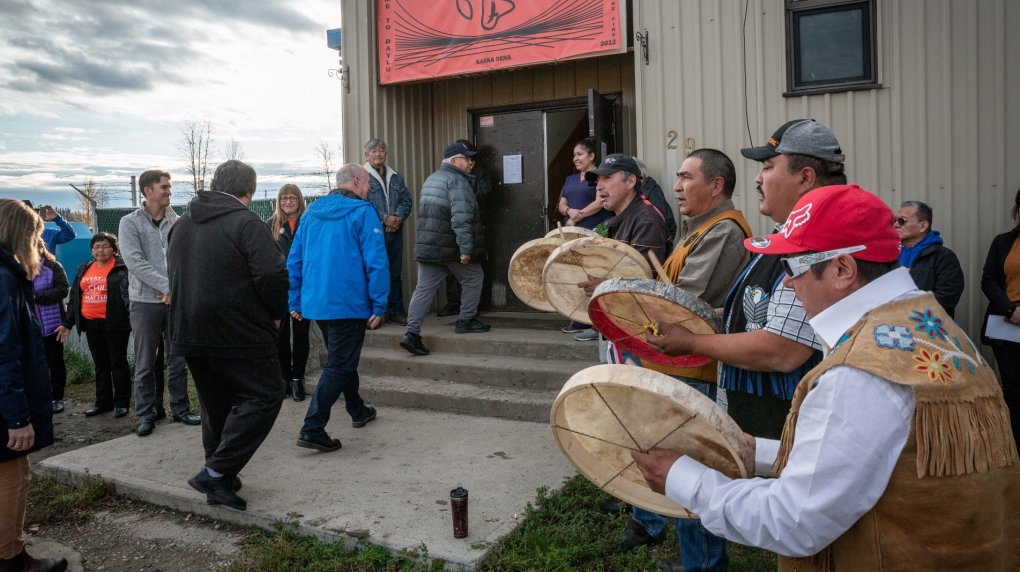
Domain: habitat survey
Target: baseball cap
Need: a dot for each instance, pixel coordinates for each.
(457, 148)
(611, 164)
(801, 137)
(831, 218)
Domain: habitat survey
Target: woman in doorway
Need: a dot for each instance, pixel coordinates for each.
(99, 307)
(1000, 281)
(51, 287)
(290, 205)
(26, 417)
(579, 206)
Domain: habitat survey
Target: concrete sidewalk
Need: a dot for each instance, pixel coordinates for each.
(389, 485)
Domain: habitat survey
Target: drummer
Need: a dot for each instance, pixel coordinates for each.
(897, 453)
(706, 263)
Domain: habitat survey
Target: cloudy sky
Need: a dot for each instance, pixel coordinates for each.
(99, 88)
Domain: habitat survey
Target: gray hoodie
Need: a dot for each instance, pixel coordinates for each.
(143, 247)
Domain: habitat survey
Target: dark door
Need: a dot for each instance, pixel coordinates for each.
(601, 124)
(514, 212)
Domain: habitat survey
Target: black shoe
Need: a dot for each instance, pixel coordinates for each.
(160, 413)
(670, 565)
(119, 412)
(219, 490)
(412, 343)
(24, 562)
(635, 535)
(448, 310)
(97, 410)
(144, 428)
(188, 418)
(297, 389)
(369, 416)
(58, 406)
(319, 441)
(235, 485)
(400, 319)
(613, 506)
(472, 326)
(287, 390)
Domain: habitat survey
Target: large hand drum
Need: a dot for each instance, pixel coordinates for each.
(574, 261)
(526, 265)
(571, 232)
(623, 309)
(606, 411)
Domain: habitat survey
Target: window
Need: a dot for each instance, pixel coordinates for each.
(830, 46)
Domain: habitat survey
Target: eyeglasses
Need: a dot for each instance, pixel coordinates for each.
(288, 199)
(797, 265)
(900, 220)
(101, 246)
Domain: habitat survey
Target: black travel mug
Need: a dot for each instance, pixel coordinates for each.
(459, 508)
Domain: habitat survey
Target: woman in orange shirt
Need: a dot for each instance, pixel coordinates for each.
(99, 307)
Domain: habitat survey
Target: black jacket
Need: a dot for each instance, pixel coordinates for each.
(228, 280)
(286, 238)
(118, 307)
(641, 226)
(993, 279)
(24, 377)
(938, 271)
(651, 190)
(449, 221)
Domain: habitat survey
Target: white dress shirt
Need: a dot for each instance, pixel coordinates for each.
(851, 430)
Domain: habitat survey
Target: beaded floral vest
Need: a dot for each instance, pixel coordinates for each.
(953, 500)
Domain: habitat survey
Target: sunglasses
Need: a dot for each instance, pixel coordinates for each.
(797, 265)
(901, 220)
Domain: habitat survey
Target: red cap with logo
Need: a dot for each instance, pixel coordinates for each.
(830, 218)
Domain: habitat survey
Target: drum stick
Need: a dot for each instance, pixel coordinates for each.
(658, 268)
(559, 227)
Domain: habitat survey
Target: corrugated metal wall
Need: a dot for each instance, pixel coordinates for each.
(945, 127)
(418, 120)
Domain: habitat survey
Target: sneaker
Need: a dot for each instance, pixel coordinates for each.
(573, 328)
(448, 310)
(472, 326)
(635, 535)
(369, 416)
(319, 441)
(398, 319)
(412, 343)
(58, 406)
(587, 335)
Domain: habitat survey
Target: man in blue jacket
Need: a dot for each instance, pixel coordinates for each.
(339, 275)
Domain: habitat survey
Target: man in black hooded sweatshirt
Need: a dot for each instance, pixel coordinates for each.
(228, 293)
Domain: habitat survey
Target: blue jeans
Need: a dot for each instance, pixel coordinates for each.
(394, 252)
(700, 550)
(340, 375)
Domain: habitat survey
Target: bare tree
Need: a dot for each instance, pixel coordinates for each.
(232, 150)
(89, 191)
(194, 147)
(326, 155)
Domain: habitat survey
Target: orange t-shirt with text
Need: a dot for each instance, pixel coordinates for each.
(93, 291)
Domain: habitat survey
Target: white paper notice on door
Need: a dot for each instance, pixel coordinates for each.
(512, 173)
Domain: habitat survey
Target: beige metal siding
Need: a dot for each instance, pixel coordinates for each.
(944, 128)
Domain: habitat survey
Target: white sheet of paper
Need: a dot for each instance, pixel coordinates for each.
(999, 329)
(512, 172)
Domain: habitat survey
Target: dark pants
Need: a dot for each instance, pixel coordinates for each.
(293, 361)
(109, 354)
(452, 291)
(1007, 357)
(344, 339)
(394, 252)
(55, 361)
(760, 415)
(239, 400)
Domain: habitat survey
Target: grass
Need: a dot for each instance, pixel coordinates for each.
(81, 378)
(52, 501)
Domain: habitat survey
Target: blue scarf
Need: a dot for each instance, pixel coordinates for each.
(909, 255)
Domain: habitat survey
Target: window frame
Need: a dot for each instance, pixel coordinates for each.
(871, 81)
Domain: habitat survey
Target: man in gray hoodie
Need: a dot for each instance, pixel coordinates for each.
(143, 237)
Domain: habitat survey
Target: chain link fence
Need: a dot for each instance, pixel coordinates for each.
(108, 219)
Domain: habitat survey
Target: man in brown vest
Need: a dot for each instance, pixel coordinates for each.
(897, 453)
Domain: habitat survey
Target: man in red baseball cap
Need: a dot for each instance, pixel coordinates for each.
(902, 423)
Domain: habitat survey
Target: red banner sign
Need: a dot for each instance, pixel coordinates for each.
(422, 39)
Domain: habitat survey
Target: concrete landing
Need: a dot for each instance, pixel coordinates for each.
(389, 485)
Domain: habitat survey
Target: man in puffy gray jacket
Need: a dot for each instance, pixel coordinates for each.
(448, 240)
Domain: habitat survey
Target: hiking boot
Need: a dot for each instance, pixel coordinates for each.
(635, 535)
(412, 343)
(319, 441)
(471, 326)
(369, 416)
(588, 335)
(448, 310)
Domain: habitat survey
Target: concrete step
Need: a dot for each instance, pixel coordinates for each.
(490, 371)
(465, 398)
(500, 341)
